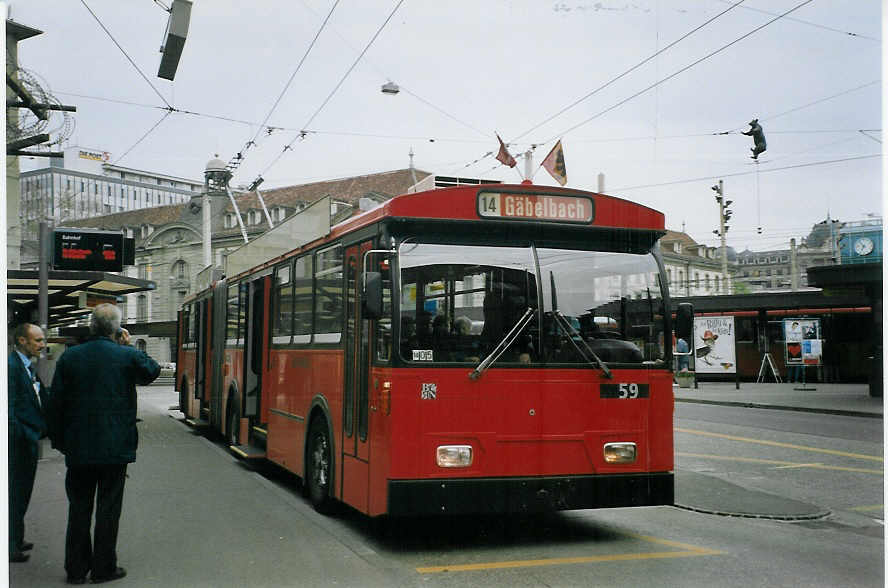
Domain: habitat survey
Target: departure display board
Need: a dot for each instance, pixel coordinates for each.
(77, 249)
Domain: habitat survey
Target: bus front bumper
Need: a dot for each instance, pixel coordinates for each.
(534, 494)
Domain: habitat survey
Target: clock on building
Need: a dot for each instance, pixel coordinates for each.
(863, 246)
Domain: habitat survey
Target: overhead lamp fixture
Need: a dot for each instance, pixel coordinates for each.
(174, 38)
(390, 88)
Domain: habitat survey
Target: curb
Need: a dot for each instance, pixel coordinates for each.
(746, 515)
(833, 411)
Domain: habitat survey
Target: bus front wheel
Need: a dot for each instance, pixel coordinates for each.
(319, 466)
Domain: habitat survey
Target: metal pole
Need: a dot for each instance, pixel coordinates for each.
(724, 239)
(207, 229)
(43, 276)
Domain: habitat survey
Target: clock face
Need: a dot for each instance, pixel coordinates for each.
(863, 246)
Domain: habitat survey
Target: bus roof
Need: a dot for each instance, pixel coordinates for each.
(511, 202)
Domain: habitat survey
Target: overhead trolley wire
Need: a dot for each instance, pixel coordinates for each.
(401, 87)
(302, 133)
(628, 71)
(238, 159)
(151, 130)
(674, 74)
(736, 174)
(813, 24)
(104, 28)
(809, 104)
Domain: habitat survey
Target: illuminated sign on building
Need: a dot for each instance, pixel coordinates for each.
(102, 156)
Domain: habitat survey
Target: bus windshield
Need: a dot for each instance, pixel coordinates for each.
(459, 302)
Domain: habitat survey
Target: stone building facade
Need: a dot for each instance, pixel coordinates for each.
(169, 242)
(694, 269)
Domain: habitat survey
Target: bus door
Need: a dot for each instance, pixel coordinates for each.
(355, 476)
(200, 360)
(253, 350)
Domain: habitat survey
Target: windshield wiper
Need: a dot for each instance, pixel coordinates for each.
(503, 345)
(574, 336)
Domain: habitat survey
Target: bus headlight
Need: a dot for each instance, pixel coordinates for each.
(619, 452)
(454, 456)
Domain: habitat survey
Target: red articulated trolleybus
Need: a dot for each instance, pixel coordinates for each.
(477, 349)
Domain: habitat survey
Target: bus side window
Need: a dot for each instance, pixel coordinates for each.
(302, 299)
(383, 337)
(231, 316)
(329, 303)
(282, 307)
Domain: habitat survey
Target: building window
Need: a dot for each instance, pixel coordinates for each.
(142, 308)
(180, 270)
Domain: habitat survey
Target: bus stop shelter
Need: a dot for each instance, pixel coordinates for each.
(70, 294)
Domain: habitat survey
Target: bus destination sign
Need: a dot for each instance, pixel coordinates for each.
(534, 207)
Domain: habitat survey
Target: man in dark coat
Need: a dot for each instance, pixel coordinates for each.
(27, 397)
(92, 420)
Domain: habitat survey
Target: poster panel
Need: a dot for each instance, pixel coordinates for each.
(714, 348)
(803, 343)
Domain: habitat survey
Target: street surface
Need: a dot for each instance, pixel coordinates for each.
(195, 516)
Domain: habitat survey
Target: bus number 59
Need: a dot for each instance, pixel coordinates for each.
(625, 390)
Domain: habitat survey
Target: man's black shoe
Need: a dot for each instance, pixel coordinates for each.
(73, 580)
(18, 557)
(27, 546)
(117, 574)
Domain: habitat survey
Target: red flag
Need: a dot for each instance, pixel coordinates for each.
(554, 164)
(504, 156)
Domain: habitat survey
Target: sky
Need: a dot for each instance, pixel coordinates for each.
(642, 91)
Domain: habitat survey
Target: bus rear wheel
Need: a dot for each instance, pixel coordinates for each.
(318, 467)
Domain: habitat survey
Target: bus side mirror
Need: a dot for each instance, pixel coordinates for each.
(684, 321)
(372, 297)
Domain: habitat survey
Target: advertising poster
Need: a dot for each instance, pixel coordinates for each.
(803, 342)
(714, 349)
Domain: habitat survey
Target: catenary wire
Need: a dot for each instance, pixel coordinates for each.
(104, 28)
(737, 174)
(674, 74)
(628, 71)
(401, 87)
(301, 134)
(809, 104)
(809, 23)
(290, 81)
(151, 130)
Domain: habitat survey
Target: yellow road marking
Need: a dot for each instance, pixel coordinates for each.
(689, 551)
(784, 445)
(869, 508)
(782, 464)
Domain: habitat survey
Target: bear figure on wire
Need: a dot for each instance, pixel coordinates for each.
(758, 136)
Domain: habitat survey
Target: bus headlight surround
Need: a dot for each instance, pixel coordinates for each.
(454, 456)
(620, 453)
